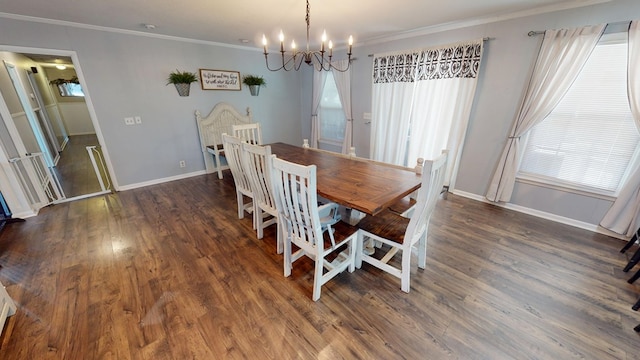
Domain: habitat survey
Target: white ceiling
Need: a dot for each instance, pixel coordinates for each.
(225, 21)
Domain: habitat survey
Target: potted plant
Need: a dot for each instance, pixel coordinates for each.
(182, 81)
(254, 82)
(58, 82)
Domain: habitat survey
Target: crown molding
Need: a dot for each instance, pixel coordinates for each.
(371, 41)
(480, 21)
(120, 31)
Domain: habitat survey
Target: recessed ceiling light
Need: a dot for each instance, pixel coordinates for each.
(60, 67)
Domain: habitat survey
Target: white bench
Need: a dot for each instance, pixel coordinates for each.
(219, 121)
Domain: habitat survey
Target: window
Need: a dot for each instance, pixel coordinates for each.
(589, 140)
(70, 89)
(331, 114)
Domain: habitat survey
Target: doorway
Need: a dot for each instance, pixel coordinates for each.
(62, 123)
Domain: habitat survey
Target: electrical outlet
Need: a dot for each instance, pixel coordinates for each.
(129, 121)
(138, 120)
(182, 163)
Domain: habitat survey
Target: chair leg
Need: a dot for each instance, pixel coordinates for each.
(422, 250)
(218, 165)
(634, 277)
(352, 253)
(279, 237)
(637, 328)
(259, 216)
(633, 261)
(406, 270)
(240, 200)
(630, 242)
(317, 278)
(287, 257)
(636, 306)
(358, 249)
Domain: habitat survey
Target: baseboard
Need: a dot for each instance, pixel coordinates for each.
(160, 181)
(542, 214)
(82, 133)
(24, 214)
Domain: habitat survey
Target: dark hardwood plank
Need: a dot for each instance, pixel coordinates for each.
(169, 272)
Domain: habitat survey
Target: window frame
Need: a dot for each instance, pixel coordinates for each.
(570, 187)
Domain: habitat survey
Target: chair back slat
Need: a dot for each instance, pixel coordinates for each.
(251, 133)
(257, 171)
(433, 175)
(233, 153)
(295, 193)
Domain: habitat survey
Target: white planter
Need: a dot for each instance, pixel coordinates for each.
(254, 89)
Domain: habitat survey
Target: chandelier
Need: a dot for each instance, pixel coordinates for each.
(319, 59)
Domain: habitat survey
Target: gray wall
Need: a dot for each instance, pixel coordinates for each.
(125, 76)
(507, 63)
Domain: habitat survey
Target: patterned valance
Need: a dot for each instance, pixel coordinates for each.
(456, 61)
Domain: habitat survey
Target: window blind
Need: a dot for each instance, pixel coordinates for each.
(590, 138)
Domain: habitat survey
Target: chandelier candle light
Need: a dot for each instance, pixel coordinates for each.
(292, 60)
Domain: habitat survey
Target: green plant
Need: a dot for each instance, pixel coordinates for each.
(64, 81)
(253, 80)
(181, 77)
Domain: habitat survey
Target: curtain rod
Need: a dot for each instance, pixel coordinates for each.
(534, 33)
(483, 39)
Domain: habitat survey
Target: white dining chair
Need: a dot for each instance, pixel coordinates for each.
(401, 233)
(251, 133)
(233, 152)
(297, 203)
(254, 161)
(407, 204)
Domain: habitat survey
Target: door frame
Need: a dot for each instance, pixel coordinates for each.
(87, 96)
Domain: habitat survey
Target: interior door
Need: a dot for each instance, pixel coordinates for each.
(46, 146)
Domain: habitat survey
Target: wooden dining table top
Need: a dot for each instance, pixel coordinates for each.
(359, 184)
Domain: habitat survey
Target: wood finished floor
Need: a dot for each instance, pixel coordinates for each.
(169, 272)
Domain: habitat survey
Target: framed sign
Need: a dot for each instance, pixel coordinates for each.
(219, 79)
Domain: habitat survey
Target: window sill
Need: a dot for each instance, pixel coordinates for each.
(559, 187)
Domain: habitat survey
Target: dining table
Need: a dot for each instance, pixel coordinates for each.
(355, 183)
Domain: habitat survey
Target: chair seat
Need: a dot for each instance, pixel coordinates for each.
(387, 224)
(341, 232)
(219, 148)
(402, 205)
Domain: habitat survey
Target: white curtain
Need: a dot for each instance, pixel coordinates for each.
(445, 88)
(343, 84)
(421, 102)
(622, 217)
(319, 78)
(562, 55)
(393, 77)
